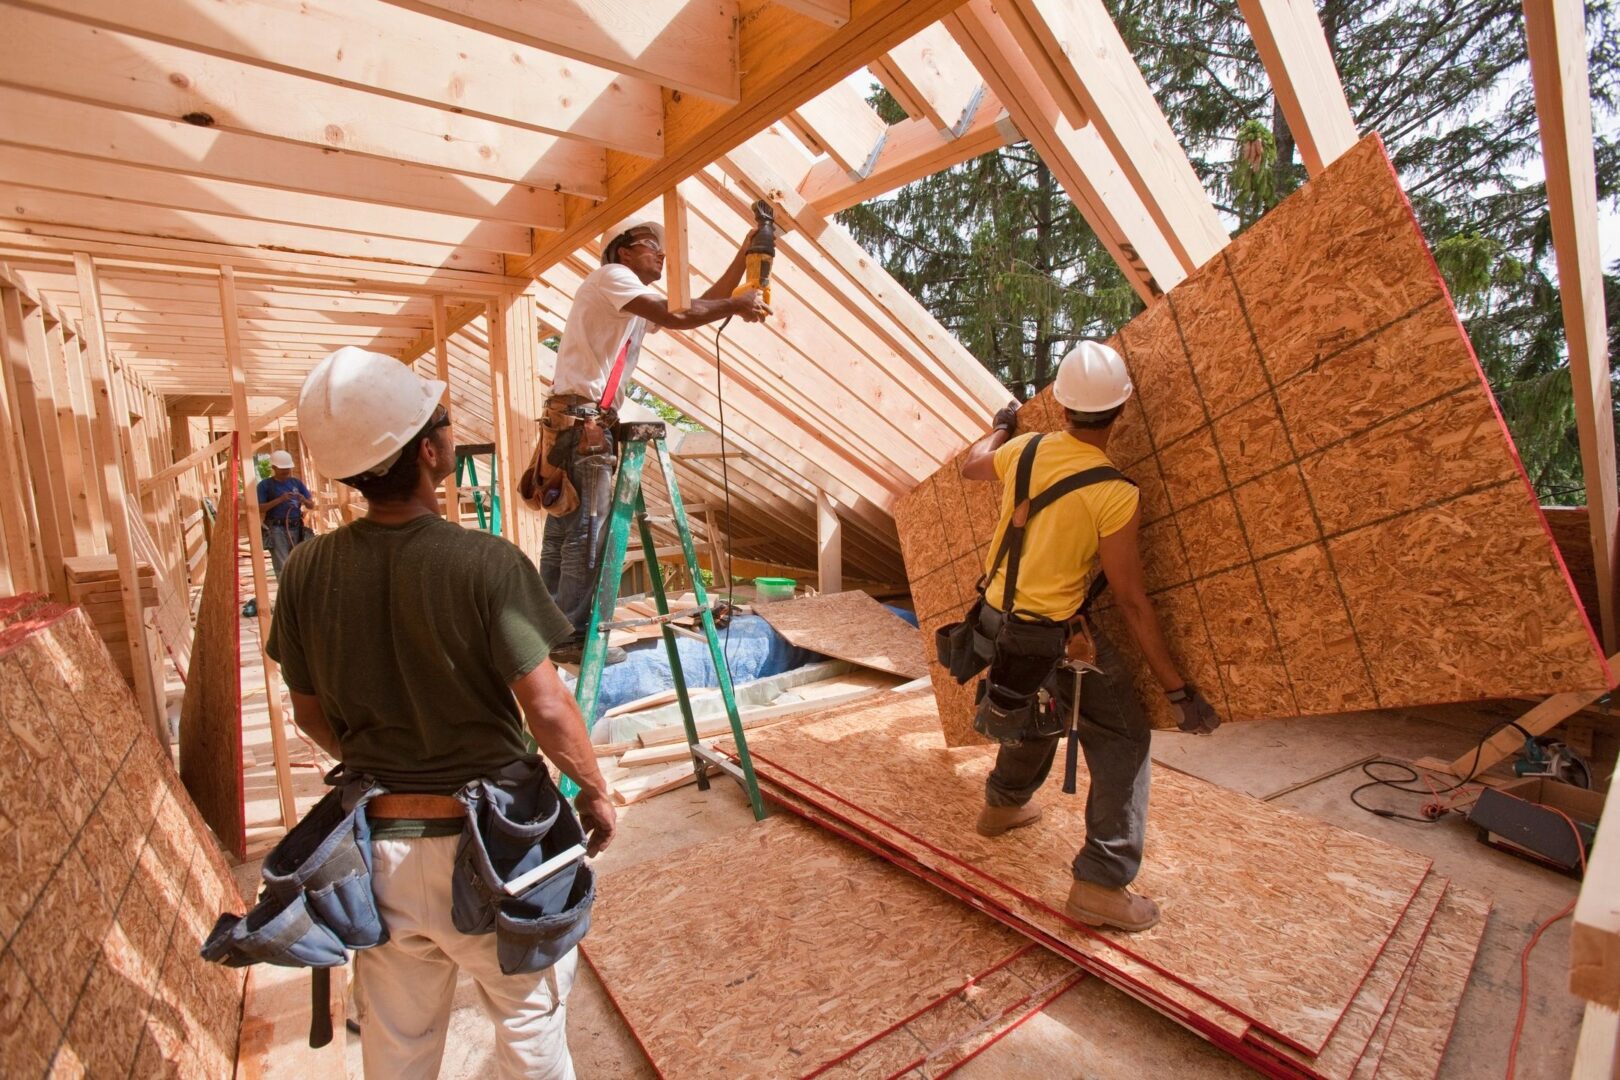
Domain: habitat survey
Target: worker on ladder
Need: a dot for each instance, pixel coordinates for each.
(570, 476)
(1065, 511)
(415, 650)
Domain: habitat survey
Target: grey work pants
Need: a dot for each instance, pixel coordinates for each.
(1115, 738)
(280, 539)
(568, 552)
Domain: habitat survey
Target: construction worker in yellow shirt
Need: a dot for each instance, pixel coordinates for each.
(1068, 527)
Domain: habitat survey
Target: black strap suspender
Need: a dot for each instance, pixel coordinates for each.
(1024, 508)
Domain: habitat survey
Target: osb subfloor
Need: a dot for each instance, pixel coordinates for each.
(1092, 1031)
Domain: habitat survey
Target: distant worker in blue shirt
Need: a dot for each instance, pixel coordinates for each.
(282, 498)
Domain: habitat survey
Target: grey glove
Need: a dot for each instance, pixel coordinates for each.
(1197, 715)
(1006, 418)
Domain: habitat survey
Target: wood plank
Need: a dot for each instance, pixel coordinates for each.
(636, 787)
(677, 251)
(831, 12)
(834, 981)
(784, 60)
(1292, 45)
(217, 447)
(128, 72)
(1076, 153)
(406, 54)
(840, 122)
(1422, 1028)
(1597, 1053)
(755, 718)
(849, 626)
(1269, 556)
(29, 446)
(931, 71)
(441, 364)
(1555, 32)
(912, 150)
(830, 549)
(1078, 52)
(885, 760)
(687, 45)
(1594, 941)
(110, 134)
(261, 590)
(113, 485)
(37, 205)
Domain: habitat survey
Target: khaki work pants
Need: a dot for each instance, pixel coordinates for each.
(404, 989)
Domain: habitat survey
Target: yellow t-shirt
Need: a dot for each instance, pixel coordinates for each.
(1060, 543)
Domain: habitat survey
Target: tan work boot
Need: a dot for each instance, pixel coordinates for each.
(1099, 905)
(995, 820)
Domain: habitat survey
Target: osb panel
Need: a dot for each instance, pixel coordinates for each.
(1423, 1026)
(104, 895)
(777, 950)
(211, 714)
(849, 626)
(1277, 916)
(1311, 390)
(1353, 1037)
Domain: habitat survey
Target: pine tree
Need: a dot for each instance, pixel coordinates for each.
(1002, 258)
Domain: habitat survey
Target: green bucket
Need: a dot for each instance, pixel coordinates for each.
(770, 589)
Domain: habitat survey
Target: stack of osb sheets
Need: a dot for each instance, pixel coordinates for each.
(783, 951)
(1302, 949)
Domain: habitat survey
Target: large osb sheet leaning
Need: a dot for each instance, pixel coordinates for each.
(1334, 517)
(109, 880)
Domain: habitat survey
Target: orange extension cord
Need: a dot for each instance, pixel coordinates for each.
(1524, 957)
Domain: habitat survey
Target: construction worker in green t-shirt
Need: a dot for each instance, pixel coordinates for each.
(415, 650)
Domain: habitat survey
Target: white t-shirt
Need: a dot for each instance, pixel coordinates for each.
(597, 328)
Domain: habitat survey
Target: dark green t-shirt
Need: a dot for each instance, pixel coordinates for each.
(411, 636)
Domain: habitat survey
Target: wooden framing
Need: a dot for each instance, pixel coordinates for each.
(1556, 33)
(829, 546)
(441, 366)
(931, 78)
(1294, 49)
(111, 423)
(261, 590)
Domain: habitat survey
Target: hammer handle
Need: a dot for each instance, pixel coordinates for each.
(320, 1007)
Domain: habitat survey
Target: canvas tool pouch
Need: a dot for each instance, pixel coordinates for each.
(547, 472)
(961, 647)
(317, 900)
(516, 821)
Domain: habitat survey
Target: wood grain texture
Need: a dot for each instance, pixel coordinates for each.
(1422, 1028)
(1320, 455)
(1228, 871)
(849, 626)
(211, 713)
(107, 887)
(781, 950)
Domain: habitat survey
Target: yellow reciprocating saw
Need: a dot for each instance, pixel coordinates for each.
(761, 252)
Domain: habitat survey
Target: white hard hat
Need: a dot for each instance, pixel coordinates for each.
(358, 409)
(1092, 379)
(634, 221)
(281, 460)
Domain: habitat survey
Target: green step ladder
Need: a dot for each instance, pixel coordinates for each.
(635, 438)
(467, 480)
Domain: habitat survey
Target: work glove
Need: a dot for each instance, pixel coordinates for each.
(1197, 715)
(1006, 418)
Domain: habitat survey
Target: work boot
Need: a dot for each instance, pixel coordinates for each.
(995, 820)
(1099, 905)
(573, 654)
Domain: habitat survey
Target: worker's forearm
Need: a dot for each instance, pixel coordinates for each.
(727, 282)
(701, 312)
(1143, 623)
(558, 728)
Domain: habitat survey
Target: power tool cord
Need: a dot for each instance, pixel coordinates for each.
(725, 486)
(1436, 808)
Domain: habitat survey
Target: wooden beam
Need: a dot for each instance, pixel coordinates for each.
(75, 427)
(1077, 155)
(113, 487)
(215, 448)
(408, 55)
(25, 569)
(786, 60)
(110, 134)
(930, 71)
(1289, 37)
(839, 121)
(1510, 740)
(831, 12)
(1594, 939)
(677, 253)
(1556, 33)
(829, 546)
(140, 187)
(495, 316)
(1078, 52)
(912, 150)
(441, 364)
(261, 587)
(686, 45)
(22, 349)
